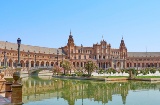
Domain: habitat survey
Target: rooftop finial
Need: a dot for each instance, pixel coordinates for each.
(70, 32)
(122, 37)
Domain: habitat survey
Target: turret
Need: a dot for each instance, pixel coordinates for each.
(123, 49)
(70, 46)
(70, 40)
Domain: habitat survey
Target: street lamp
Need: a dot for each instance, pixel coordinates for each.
(5, 56)
(35, 59)
(62, 61)
(57, 57)
(19, 43)
(28, 59)
(137, 64)
(62, 57)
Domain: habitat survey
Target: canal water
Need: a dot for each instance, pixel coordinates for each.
(51, 91)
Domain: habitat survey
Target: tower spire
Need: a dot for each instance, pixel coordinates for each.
(70, 32)
(102, 37)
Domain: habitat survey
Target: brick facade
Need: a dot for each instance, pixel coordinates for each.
(102, 53)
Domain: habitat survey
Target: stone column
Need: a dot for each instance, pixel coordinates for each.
(29, 64)
(16, 97)
(121, 64)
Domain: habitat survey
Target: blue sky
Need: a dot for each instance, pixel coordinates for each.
(47, 23)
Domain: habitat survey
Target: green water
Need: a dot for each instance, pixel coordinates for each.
(51, 91)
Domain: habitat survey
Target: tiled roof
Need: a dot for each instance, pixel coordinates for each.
(25, 48)
(143, 54)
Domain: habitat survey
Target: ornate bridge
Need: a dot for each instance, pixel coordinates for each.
(34, 71)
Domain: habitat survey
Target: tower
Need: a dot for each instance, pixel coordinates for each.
(123, 53)
(70, 46)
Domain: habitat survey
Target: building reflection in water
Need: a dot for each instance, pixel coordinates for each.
(36, 89)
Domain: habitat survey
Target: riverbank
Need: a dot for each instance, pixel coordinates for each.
(114, 78)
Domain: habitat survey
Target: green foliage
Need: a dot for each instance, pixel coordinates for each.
(86, 75)
(114, 71)
(111, 70)
(79, 73)
(90, 67)
(144, 71)
(101, 71)
(122, 71)
(67, 65)
(126, 71)
(152, 70)
(134, 71)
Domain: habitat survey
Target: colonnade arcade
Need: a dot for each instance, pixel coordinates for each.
(26, 63)
(117, 64)
(143, 64)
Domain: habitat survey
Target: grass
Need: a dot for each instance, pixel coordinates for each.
(125, 76)
(110, 76)
(147, 76)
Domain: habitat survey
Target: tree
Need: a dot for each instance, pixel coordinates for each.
(67, 65)
(152, 70)
(122, 71)
(90, 66)
(57, 69)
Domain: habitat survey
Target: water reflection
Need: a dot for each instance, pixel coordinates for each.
(74, 92)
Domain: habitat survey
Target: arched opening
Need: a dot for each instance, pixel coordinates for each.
(118, 64)
(77, 64)
(42, 64)
(10, 63)
(37, 63)
(81, 64)
(15, 63)
(47, 63)
(74, 64)
(27, 63)
(32, 63)
(52, 63)
(22, 63)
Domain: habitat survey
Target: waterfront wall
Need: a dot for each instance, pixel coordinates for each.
(124, 74)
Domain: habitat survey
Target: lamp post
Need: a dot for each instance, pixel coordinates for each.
(62, 57)
(19, 43)
(57, 57)
(28, 59)
(137, 64)
(35, 59)
(5, 56)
